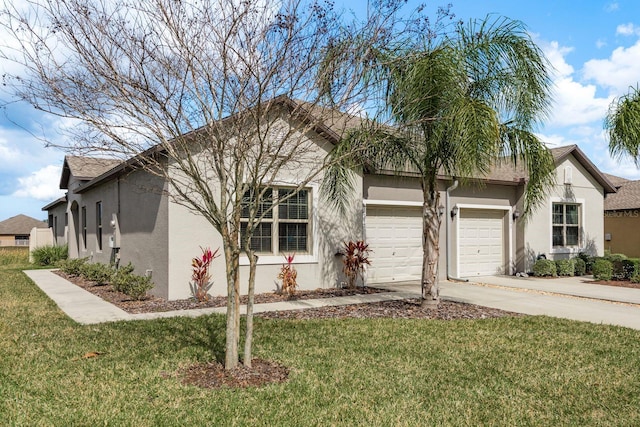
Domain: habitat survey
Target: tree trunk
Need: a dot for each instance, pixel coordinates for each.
(233, 306)
(430, 249)
(248, 338)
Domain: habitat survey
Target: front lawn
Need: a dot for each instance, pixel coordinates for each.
(507, 371)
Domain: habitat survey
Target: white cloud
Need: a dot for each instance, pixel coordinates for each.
(618, 72)
(7, 152)
(574, 102)
(627, 29)
(555, 54)
(41, 184)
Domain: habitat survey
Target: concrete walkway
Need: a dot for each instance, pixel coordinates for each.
(86, 308)
(571, 298)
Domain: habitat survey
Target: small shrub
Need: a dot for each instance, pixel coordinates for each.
(289, 276)
(97, 272)
(72, 266)
(355, 255)
(622, 269)
(636, 277)
(201, 277)
(615, 257)
(119, 279)
(588, 262)
(131, 284)
(602, 269)
(544, 267)
(565, 267)
(49, 254)
(580, 267)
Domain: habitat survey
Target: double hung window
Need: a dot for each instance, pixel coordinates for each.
(566, 224)
(285, 225)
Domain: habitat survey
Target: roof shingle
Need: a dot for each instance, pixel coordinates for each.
(627, 197)
(20, 224)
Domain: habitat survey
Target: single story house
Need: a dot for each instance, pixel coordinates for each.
(127, 214)
(15, 231)
(622, 217)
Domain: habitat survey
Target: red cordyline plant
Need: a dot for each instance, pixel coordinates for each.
(201, 278)
(355, 255)
(288, 275)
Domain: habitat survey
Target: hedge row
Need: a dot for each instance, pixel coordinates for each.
(608, 267)
(122, 279)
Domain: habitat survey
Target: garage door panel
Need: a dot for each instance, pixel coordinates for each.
(481, 242)
(394, 235)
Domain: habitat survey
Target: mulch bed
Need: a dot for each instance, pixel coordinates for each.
(152, 304)
(213, 375)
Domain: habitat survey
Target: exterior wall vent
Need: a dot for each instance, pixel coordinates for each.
(568, 175)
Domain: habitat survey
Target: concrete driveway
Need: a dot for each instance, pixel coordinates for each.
(568, 297)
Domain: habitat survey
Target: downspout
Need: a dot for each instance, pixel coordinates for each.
(448, 232)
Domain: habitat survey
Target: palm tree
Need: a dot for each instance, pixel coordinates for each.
(456, 106)
(623, 125)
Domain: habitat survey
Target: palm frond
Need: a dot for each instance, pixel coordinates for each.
(623, 126)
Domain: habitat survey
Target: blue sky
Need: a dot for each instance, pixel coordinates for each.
(593, 45)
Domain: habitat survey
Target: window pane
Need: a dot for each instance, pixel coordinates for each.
(292, 237)
(296, 207)
(558, 238)
(558, 213)
(572, 236)
(261, 239)
(572, 214)
(267, 201)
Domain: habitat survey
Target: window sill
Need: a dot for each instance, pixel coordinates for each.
(566, 250)
(279, 259)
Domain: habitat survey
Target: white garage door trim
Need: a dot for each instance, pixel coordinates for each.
(509, 212)
(391, 205)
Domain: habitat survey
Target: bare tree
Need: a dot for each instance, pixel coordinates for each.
(201, 93)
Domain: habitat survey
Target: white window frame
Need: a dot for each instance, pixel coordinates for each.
(581, 227)
(314, 247)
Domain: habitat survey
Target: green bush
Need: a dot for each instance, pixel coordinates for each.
(602, 269)
(97, 272)
(615, 257)
(565, 267)
(623, 269)
(544, 267)
(49, 254)
(72, 266)
(580, 267)
(588, 262)
(131, 284)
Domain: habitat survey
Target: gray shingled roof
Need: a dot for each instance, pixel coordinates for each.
(627, 197)
(20, 224)
(84, 168)
(617, 181)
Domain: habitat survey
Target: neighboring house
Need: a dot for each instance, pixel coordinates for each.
(127, 215)
(15, 230)
(622, 218)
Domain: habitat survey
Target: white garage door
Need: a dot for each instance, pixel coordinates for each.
(481, 242)
(394, 235)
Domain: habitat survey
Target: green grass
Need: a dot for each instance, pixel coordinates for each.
(510, 371)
